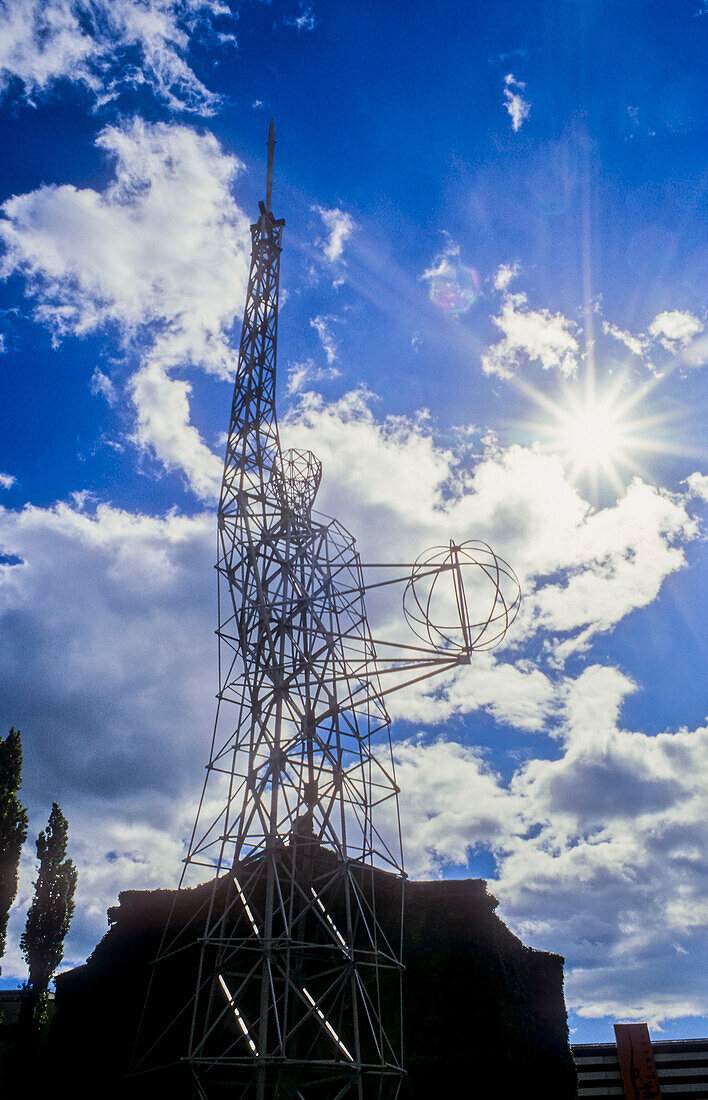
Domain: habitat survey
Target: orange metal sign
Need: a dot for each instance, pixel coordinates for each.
(636, 1060)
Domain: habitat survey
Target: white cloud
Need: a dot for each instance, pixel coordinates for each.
(518, 108)
(109, 45)
(160, 256)
(695, 353)
(109, 852)
(339, 226)
(451, 802)
(534, 334)
(441, 264)
(513, 694)
(7, 481)
(163, 426)
(305, 374)
(304, 20)
(164, 244)
(321, 325)
(398, 491)
(615, 561)
(635, 344)
(504, 274)
(675, 328)
(698, 485)
(101, 385)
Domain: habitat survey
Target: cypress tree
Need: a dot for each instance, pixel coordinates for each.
(50, 913)
(13, 825)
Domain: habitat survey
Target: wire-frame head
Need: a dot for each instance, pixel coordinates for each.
(300, 480)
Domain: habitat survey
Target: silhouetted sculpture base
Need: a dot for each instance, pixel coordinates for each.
(480, 1008)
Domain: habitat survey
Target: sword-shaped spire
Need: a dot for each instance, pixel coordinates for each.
(271, 155)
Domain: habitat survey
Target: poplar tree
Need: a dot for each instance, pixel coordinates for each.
(13, 825)
(50, 913)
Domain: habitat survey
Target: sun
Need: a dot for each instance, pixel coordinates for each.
(599, 432)
(594, 436)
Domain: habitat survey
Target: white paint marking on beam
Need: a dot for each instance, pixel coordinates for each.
(246, 906)
(327, 1024)
(239, 1018)
(333, 926)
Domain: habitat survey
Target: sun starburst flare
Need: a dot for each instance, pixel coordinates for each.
(600, 432)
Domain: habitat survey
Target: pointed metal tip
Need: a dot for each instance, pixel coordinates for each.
(271, 157)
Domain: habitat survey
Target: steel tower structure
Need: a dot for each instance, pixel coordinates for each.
(297, 993)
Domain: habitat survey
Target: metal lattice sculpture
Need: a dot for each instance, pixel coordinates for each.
(297, 992)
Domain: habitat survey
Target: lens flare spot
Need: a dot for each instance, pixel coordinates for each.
(454, 288)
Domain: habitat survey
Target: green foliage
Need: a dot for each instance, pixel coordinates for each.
(13, 825)
(52, 907)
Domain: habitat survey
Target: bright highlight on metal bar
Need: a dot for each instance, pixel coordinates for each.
(237, 1014)
(330, 922)
(327, 1024)
(246, 906)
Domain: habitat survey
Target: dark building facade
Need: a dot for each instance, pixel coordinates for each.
(478, 1005)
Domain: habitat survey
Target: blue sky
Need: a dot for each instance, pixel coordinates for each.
(493, 326)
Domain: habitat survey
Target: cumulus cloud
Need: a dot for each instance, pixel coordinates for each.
(599, 851)
(452, 802)
(518, 108)
(504, 274)
(515, 694)
(111, 676)
(109, 853)
(108, 45)
(305, 374)
(127, 581)
(159, 257)
(7, 481)
(615, 871)
(322, 326)
(533, 335)
(339, 226)
(127, 255)
(698, 485)
(616, 560)
(675, 328)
